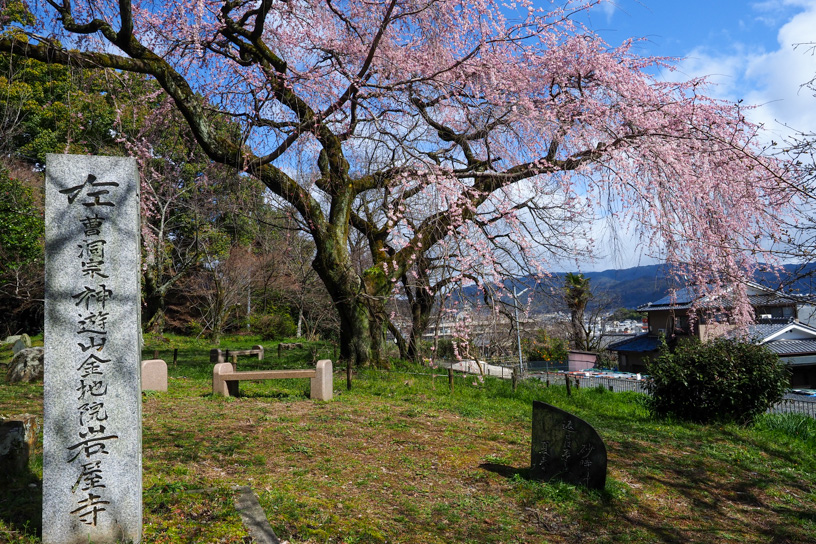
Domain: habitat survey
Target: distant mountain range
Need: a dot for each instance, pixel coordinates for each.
(632, 287)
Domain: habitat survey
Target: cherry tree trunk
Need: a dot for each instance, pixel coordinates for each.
(377, 329)
(363, 325)
(349, 294)
(153, 310)
(420, 317)
(355, 338)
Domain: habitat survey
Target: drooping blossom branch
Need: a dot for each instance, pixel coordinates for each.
(472, 121)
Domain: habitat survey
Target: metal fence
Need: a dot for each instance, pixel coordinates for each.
(504, 368)
(612, 384)
(789, 405)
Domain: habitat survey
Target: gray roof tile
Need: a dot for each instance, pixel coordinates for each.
(792, 347)
(639, 343)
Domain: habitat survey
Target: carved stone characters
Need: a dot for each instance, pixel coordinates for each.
(566, 448)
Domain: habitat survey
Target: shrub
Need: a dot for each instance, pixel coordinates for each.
(21, 224)
(194, 328)
(722, 380)
(452, 348)
(444, 348)
(543, 347)
(274, 326)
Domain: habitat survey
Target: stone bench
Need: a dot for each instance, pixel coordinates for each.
(226, 378)
(154, 375)
(218, 356)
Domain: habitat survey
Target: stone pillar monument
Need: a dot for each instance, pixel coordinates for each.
(92, 429)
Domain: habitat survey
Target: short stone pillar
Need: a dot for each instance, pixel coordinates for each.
(18, 437)
(566, 448)
(322, 384)
(220, 385)
(12, 338)
(154, 375)
(92, 411)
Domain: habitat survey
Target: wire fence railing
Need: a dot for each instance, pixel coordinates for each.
(611, 383)
(789, 404)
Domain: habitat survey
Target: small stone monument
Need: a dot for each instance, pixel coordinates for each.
(18, 436)
(24, 342)
(154, 375)
(92, 429)
(566, 448)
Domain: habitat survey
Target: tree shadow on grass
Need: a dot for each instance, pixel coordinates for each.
(274, 394)
(279, 395)
(596, 504)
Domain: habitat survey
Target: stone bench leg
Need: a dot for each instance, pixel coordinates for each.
(154, 375)
(260, 349)
(222, 386)
(321, 386)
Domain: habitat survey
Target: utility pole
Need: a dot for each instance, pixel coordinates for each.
(518, 328)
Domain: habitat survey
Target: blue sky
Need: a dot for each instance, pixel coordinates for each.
(747, 49)
(674, 28)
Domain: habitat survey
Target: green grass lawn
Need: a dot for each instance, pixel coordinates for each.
(402, 459)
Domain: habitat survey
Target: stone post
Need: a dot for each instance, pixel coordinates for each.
(92, 431)
(322, 385)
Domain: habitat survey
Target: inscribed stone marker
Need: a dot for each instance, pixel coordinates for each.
(566, 448)
(24, 342)
(92, 432)
(18, 436)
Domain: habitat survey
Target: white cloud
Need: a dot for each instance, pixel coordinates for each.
(771, 80)
(605, 7)
(608, 9)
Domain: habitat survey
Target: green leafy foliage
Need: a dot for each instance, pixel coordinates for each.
(721, 380)
(623, 314)
(274, 326)
(543, 347)
(47, 108)
(14, 11)
(452, 349)
(21, 224)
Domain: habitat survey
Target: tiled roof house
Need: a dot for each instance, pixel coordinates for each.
(777, 327)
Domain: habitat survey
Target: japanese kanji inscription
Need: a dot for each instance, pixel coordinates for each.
(92, 415)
